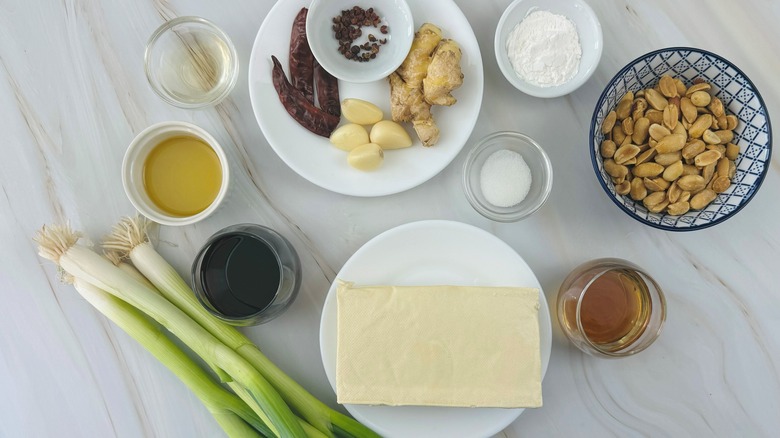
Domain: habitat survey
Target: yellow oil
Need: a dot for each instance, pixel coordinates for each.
(182, 176)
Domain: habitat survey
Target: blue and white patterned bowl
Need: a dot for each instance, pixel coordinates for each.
(739, 96)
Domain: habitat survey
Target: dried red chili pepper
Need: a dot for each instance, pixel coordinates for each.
(327, 90)
(301, 59)
(299, 108)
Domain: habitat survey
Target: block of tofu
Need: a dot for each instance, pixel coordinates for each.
(438, 346)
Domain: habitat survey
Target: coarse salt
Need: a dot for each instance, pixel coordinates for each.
(505, 178)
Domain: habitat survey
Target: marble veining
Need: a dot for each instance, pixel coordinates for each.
(73, 94)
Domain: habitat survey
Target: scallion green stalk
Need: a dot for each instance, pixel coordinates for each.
(59, 245)
(130, 239)
(231, 413)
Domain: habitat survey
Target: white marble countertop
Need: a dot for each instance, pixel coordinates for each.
(73, 94)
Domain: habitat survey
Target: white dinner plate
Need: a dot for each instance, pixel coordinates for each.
(433, 253)
(314, 158)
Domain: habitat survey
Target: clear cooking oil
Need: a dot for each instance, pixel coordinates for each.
(192, 63)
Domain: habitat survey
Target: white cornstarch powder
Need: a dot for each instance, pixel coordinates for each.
(505, 178)
(544, 49)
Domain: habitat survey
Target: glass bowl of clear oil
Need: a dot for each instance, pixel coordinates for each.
(191, 63)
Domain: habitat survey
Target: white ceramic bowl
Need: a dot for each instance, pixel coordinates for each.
(324, 45)
(133, 166)
(588, 28)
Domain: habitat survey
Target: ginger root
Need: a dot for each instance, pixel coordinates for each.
(415, 67)
(427, 76)
(407, 104)
(444, 74)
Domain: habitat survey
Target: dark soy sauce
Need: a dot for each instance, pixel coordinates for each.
(240, 275)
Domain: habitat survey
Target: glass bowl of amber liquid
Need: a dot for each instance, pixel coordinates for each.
(611, 308)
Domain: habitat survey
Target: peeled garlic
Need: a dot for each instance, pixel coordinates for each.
(390, 135)
(366, 157)
(360, 112)
(349, 136)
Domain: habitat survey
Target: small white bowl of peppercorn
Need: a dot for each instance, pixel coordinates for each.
(360, 40)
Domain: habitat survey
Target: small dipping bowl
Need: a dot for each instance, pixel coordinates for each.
(246, 274)
(588, 28)
(191, 63)
(133, 170)
(395, 14)
(533, 155)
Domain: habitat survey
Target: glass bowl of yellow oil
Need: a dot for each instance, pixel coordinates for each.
(191, 63)
(175, 173)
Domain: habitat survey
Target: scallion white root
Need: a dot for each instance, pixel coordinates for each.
(59, 245)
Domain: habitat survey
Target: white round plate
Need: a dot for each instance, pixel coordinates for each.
(432, 253)
(314, 158)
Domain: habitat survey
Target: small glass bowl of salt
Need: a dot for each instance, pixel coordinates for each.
(507, 176)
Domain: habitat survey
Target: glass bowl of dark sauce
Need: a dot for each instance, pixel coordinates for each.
(246, 274)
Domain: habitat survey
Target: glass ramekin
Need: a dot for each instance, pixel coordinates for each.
(532, 153)
(191, 63)
(289, 279)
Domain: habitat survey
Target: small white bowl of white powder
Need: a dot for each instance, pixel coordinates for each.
(507, 176)
(548, 48)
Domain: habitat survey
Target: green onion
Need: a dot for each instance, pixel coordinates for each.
(130, 239)
(229, 411)
(59, 245)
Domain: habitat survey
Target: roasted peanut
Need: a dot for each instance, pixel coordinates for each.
(720, 184)
(691, 183)
(615, 170)
(654, 116)
(710, 137)
(658, 132)
(638, 189)
(647, 170)
(706, 158)
(655, 184)
(673, 171)
(618, 136)
(703, 199)
(623, 188)
(655, 99)
(654, 198)
(608, 148)
(678, 208)
(640, 131)
(700, 98)
(732, 151)
(688, 110)
(693, 148)
(623, 109)
(667, 158)
(625, 153)
(671, 116)
(628, 125)
(701, 86)
(670, 143)
(702, 123)
(645, 156)
(609, 122)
